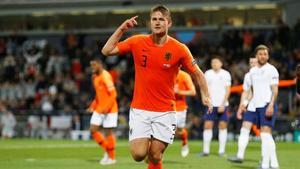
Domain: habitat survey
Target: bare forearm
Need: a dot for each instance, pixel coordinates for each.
(112, 42)
(187, 92)
(274, 89)
(200, 81)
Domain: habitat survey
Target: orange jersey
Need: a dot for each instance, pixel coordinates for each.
(156, 68)
(106, 94)
(184, 82)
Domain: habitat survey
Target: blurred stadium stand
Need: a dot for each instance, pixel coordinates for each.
(46, 46)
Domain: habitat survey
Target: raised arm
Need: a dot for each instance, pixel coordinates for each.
(110, 48)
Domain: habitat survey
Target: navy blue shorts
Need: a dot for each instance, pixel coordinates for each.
(263, 119)
(251, 116)
(214, 116)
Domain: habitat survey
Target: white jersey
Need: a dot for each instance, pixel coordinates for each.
(246, 87)
(217, 83)
(262, 78)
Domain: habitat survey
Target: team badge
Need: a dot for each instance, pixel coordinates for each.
(168, 56)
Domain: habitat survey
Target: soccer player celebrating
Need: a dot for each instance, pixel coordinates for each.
(104, 108)
(183, 87)
(264, 80)
(249, 117)
(157, 57)
(219, 82)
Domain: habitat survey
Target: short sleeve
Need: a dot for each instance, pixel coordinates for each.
(246, 83)
(109, 83)
(126, 45)
(274, 77)
(188, 62)
(228, 79)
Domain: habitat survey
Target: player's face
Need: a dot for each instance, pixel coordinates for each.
(159, 23)
(262, 56)
(96, 67)
(253, 62)
(216, 64)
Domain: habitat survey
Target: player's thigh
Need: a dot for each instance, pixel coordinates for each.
(249, 118)
(210, 118)
(164, 126)
(110, 120)
(181, 118)
(266, 121)
(139, 147)
(139, 124)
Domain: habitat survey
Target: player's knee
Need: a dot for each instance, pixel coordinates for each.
(155, 157)
(138, 156)
(93, 129)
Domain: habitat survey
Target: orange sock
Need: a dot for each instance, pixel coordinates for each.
(111, 145)
(256, 130)
(184, 136)
(99, 138)
(154, 166)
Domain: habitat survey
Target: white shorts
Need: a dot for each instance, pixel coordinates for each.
(8, 131)
(181, 118)
(147, 124)
(109, 120)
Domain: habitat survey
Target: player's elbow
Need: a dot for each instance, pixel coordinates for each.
(105, 52)
(193, 93)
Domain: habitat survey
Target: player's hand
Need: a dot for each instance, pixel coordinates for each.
(241, 110)
(128, 24)
(270, 110)
(207, 102)
(221, 109)
(89, 110)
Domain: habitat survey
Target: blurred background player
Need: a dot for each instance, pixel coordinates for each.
(105, 111)
(264, 82)
(7, 123)
(249, 117)
(183, 87)
(152, 118)
(219, 82)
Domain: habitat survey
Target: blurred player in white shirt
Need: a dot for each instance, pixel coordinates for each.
(249, 117)
(219, 82)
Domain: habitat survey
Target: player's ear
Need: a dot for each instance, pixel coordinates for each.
(169, 23)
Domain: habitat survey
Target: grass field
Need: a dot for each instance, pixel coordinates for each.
(64, 154)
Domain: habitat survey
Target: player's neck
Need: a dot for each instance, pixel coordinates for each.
(261, 65)
(159, 39)
(217, 70)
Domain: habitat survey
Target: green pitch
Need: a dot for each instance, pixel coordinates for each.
(58, 154)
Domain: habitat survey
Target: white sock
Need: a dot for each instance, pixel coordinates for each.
(207, 136)
(243, 142)
(222, 140)
(272, 148)
(265, 150)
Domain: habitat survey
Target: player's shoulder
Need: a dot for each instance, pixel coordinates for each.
(139, 37)
(209, 72)
(178, 44)
(225, 72)
(106, 74)
(252, 70)
(271, 67)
